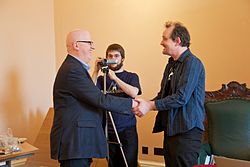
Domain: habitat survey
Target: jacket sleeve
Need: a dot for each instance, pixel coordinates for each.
(82, 86)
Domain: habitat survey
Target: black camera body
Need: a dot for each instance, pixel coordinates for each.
(105, 62)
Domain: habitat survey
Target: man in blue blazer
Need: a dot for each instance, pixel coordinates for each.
(77, 134)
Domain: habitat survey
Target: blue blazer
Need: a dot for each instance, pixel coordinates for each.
(77, 130)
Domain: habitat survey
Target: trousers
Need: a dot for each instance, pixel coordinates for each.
(129, 140)
(83, 162)
(182, 150)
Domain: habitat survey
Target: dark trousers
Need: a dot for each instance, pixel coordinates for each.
(182, 150)
(129, 140)
(83, 162)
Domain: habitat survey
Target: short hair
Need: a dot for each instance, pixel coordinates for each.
(116, 47)
(180, 31)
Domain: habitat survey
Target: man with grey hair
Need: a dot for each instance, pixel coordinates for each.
(77, 134)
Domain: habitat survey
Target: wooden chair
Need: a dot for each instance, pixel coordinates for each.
(227, 121)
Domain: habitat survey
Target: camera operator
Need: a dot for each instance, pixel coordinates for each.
(123, 84)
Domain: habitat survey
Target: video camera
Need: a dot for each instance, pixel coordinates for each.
(105, 62)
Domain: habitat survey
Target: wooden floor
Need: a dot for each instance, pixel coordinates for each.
(99, 163)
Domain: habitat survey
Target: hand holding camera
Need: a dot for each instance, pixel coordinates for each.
(102, 63)
(106, 62)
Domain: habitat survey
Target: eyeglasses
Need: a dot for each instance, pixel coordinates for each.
(89, 42)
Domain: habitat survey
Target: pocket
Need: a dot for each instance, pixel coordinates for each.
(86, 124)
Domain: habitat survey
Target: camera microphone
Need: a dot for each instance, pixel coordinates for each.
(106, 62)
(109, 61)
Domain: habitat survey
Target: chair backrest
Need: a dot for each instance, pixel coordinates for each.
(228, 121)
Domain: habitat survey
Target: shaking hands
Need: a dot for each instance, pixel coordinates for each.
(142, 107)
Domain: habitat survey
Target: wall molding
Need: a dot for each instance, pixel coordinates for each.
(144, 163)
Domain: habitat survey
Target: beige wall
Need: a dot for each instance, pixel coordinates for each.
(220, 32)
(27, 64)
(220, 37)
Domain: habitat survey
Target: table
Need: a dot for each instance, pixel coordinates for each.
(26, 150)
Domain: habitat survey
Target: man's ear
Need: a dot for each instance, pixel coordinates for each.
(178, 41)
(75, 46)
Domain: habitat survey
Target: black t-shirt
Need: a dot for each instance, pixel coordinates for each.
(122, 121)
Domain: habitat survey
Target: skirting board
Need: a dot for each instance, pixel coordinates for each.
(144, 163)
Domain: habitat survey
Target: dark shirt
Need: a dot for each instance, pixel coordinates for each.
(122, 121)
(180, 102)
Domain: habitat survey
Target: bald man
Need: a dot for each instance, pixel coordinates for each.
(77, 134)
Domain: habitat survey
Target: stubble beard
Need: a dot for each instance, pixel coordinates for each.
(116, 68)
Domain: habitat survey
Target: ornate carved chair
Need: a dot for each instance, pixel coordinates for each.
(228, 121)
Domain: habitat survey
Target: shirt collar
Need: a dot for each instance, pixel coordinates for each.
(184, 55)
(85, 65)
(181, 58)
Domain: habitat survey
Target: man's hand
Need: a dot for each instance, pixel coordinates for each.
(112, 75)
(135, 109)
(144, 107)
(97, 64)
(134, 103)
(96, 69)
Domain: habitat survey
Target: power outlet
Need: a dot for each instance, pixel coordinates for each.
(158, 151)
(144, 150)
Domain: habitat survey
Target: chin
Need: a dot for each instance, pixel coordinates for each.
(112, 68)
(164, 52)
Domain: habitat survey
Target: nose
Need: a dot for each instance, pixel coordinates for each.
(161, 43)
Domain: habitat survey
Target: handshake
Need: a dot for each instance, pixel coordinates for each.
(141, 107)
